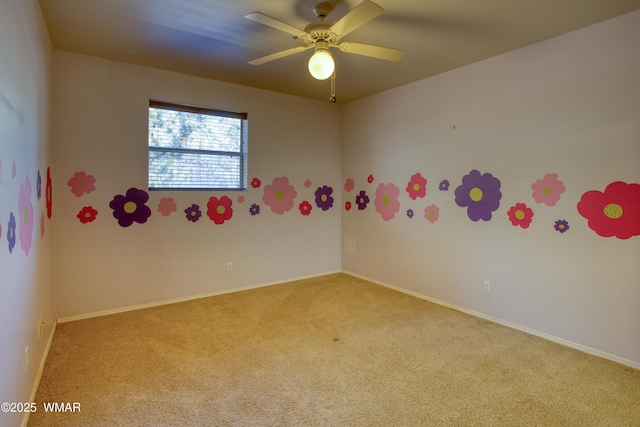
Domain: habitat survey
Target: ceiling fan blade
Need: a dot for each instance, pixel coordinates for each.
(274, 23)
(360, 15)
(279, 55)
(379, 52)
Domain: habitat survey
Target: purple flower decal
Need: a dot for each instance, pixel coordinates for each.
(193, 213)
(254, 209)
(11, 232)
(410, 213)
(561, 225)
(480, 194)
(323, 197)
(131, 207)
(39, 185)
(444, 185)
(362, 200)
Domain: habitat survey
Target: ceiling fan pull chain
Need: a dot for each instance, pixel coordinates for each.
(332, 98)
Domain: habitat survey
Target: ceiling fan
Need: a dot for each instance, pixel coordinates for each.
(322, 35)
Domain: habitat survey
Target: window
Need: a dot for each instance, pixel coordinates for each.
(195, 148)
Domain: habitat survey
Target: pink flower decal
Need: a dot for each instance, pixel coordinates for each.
(349, 184)
(307, 183)
(279, 195)
(25, 215)
(240, 199)
(417, 186)
(548, 189)
(432, 213)
(219, 210)
(81, 183)
(616, 212)
(87, 214)
(520, 215)
(167, 205)
(386, 201)
(305, 208)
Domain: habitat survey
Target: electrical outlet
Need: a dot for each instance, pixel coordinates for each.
(486, 286)
(26, 359)
(229, 266)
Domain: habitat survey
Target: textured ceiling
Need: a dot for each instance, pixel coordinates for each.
(212, 39)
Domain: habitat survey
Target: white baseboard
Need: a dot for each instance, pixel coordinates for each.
(43, 361)
(566, 343)
(188, 298)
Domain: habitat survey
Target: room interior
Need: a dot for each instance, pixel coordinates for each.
(558, 106)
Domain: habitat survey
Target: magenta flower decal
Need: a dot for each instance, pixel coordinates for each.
(25, 215)
(193, 213)
(131, 207)
(548, 189)
(11, 232)
(167, 205)
(561, 225)
(219, 210)
(614, 212)
(279, 195)
(386, 201)
(417, 186)
(323, 197)
(87, 214)
(305, 208)
(362, 200)
(480, 194)
(81, 183)
(49, 194)
(349, 184)
(432, 213)
(520, 215)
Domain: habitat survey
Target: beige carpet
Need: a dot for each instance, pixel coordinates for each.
(330, 351)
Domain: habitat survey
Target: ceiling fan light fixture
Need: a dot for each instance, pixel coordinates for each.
(321, 64)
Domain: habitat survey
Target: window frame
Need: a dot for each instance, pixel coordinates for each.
(242, 154)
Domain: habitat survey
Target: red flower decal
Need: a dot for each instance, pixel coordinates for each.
(520, 215)
(616, 212)
(219, 210)
(255, 183)
(347, 206)
(370, 179)
(87, 214)
(305, 208)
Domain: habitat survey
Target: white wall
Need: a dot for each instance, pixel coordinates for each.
(569, 105)
(26, 278)
(101, 114)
